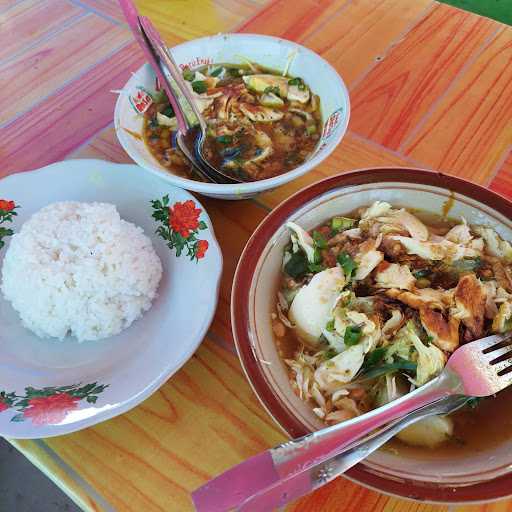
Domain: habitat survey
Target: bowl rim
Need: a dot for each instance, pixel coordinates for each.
(489, 490)
(252, 186)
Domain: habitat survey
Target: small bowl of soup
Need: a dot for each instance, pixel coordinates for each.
(274, 110)
(354, 292)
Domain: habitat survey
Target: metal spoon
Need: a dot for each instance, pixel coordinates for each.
(191, 142)
(185, 124)
(184, 120)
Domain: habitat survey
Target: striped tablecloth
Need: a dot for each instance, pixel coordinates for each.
(431, 86)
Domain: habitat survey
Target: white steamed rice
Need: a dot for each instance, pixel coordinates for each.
(79, 269)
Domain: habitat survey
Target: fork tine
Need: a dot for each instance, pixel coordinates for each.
(504, 380)
(503, 365)
(494, 356)
(487, 343)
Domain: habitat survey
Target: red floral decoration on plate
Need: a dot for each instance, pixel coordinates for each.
(49, 406)
(7, 206)
(7, 212)
(202, 247)
(51, 409)
(184, 218)
(180, 226)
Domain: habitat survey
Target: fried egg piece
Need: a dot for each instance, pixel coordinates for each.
(312, 307)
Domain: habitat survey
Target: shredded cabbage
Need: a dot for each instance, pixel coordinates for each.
(302, 240)
(407, 345)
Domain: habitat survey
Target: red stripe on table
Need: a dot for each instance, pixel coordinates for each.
(502, 182)
(68, 118)
(270, 20)
(56, 61)
(397, 93)
(27, 22)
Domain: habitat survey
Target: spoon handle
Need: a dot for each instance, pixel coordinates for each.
(169, 65)
(132, 17)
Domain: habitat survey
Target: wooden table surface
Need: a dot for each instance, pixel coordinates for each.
(430, 86)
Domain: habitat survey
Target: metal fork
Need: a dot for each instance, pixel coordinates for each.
(481, 368)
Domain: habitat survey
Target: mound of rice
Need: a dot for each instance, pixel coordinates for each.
(79, 269)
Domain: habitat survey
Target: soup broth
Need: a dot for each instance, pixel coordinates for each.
(393, 288)
(260, 123)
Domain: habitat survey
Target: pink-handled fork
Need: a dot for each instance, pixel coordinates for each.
(481, 368)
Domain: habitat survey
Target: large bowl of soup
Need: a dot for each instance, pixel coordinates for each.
(354, 292)
(274, 111)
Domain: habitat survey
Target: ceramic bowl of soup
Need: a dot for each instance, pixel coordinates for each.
(274, 110)
(473, 462)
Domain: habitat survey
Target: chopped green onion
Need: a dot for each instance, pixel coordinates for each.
(225, 139)
(310, 129)
(374, 357)
(399, 365)
(422, 273)
(347, 263)
(199, 86)
(295, 81)
(188, 74)
(317, 257)
(272, 89)
(319, 240)
(169, 112)
(330, 325)
(316, 267)
(234, 72)
(297, 265)
(352, 335)
(342, 223)
(216, 72)
(329, 354)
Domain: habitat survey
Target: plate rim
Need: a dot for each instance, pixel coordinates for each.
(45, 431)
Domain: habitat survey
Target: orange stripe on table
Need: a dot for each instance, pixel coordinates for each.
(356, 37)
(388, 104)
(502, 182)
(470, 130)
(300, 19)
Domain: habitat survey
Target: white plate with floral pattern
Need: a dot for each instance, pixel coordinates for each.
(48, 387)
